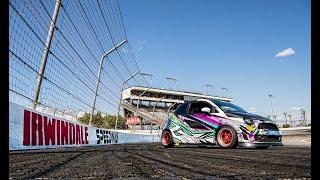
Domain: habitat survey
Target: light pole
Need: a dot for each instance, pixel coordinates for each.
(227, 92)
(270, 95)
(117, 118)
(171, 79)
(99, 75)
(150, 75)
(207, 87)
(223, 89)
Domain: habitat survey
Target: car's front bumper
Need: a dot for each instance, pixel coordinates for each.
(260, 144)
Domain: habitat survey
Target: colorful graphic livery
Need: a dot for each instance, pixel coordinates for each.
(217, 122)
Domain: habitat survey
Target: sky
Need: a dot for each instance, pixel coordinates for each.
(254, 48)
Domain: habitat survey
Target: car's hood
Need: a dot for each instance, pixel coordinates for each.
(247, 115)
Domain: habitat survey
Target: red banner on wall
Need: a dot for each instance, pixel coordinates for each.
(133, 121)
(40, 130)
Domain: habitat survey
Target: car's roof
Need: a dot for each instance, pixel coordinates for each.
(197, 100)
(214, 101)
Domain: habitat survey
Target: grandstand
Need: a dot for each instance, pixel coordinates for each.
(153, 105)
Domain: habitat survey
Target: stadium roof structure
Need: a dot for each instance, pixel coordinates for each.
(165, 95)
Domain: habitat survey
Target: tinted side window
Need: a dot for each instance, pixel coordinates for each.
(197, 106)
(181, 109)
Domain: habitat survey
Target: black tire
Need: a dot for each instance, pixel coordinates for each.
(167, 143)
(227, 137)
(263, 147)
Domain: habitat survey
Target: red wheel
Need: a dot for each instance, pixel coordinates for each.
(227, 137)
(166, 139)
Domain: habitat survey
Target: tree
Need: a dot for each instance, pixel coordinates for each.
(111, 120)
(98, 120)
(289, 115)
(107, 121)
(285, 116)
(285, 125)
(303, 112)
(275, 118)
(84, 119)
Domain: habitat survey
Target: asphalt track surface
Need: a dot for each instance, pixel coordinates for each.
(145, 161)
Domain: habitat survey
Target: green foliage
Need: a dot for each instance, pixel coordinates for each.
(107, 122)
(285, 125)
(84, 119)
(309, 124)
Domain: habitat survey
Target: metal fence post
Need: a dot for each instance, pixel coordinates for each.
(117, 118)
(46, 52)
(99, 75)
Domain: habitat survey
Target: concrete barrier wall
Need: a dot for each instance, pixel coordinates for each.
(30, 129)
(297, 140)
(297, 136)
(138, 131)
(296, 131)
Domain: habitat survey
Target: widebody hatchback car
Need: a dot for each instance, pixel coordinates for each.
(218, 122)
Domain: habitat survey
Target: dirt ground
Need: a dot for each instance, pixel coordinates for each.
(138, 161)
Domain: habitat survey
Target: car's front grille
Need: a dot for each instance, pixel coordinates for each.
(269, 126)
(265, 138)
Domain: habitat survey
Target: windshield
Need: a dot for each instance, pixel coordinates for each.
(228, 107)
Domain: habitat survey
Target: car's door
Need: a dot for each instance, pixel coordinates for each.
(194, 111)
(196, 131)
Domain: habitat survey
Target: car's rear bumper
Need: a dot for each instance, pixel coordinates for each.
(260, 144)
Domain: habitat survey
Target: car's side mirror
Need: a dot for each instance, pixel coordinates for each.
(206, 110)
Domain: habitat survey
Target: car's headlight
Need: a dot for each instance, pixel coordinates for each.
(248, 121)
